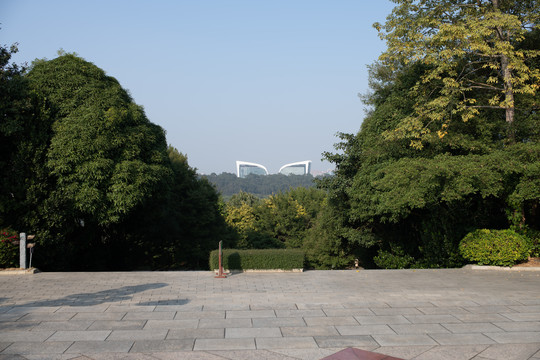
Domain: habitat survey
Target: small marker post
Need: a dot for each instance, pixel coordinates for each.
(220, 274)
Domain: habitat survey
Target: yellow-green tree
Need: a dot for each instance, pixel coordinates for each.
(472, 56)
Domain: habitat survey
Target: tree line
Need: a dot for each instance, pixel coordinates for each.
(229, 184)
(87, 172)
(450, 144)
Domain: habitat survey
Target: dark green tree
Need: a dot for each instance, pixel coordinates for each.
(414, 206)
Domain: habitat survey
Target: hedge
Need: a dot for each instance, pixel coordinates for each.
(265, 259)
(495, 247)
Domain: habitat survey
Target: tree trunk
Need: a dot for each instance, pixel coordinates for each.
(509, 98)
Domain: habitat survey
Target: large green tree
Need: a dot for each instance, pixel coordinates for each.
(93, 177)
(411, 205)
(472, 56)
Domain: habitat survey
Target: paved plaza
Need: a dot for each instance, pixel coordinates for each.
(409, 314)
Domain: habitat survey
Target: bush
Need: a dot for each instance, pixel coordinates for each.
(394, 259)
(495, 247)
(266, 259)
(534, 237)
(9, 249)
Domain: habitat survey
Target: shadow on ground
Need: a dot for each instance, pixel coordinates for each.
(124, 293)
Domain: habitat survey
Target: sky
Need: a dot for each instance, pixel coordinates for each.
(270, 82)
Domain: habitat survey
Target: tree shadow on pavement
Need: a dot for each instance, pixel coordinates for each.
(124, 293)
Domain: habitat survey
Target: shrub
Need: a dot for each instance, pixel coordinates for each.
(394, 259)
(495, 247)
(9, 248)
(285, 259)
(534, 237)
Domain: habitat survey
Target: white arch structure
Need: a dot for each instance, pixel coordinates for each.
(296, 168)
(244, 168)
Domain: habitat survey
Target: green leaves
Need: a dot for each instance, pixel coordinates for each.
(472, 57)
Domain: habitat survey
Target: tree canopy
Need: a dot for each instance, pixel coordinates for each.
(434, 89)
(474, 58)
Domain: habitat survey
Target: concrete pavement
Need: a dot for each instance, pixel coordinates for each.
(410, 314)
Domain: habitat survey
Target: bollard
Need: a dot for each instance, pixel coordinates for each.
(220, 274)
(22, 251)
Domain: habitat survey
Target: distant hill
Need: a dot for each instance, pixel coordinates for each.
(260, 185)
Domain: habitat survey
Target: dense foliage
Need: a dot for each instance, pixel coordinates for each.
(9, 249)
(260, 185)
(425, 168)
(96, 182)
(495, 247)
(266, 259)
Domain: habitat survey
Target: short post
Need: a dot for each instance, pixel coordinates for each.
(220, 274)
(22, 250)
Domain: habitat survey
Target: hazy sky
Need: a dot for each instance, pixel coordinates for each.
(265, 81)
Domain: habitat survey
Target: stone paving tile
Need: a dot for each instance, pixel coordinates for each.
(328, 321)
(92, 347)
(525, 308)
(315, 306)
(224, 323)
(523, 316)
(400, 340)
(445, 310)
(20, 325)
(83, 309)
(80, 335)
(279, 322)
(304, 342)
(364, 304)
(99, 316)
(489, 309)
(479, 318)
(165, 315)
(146, 346)
(451, 303)
(253, 354)
(309, 331)
(45, 316)
(518, 337)
(300, 313)
(65, 325)
(382, 319)
(463, 352)
(365, 329)
(405, 352)
(224, 344)
(53, 347)
(418, 329)
(229, 306)
(307, 354)
(345, 341)
(26, 336)
(180, 308)
(183, 315)
(4, 345)
(195, 333)
(32, 309)
(172, 324)
(188, 355)
(136, 335)
(130, 308)
(462, 339)
(249, 314)
(234, 333)
(117, 325)
(11, 317)
(396, 311)
(291, 306)
(472, 328)
(510, 351)
(348, 312)
(519, 326)
(432, 319)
